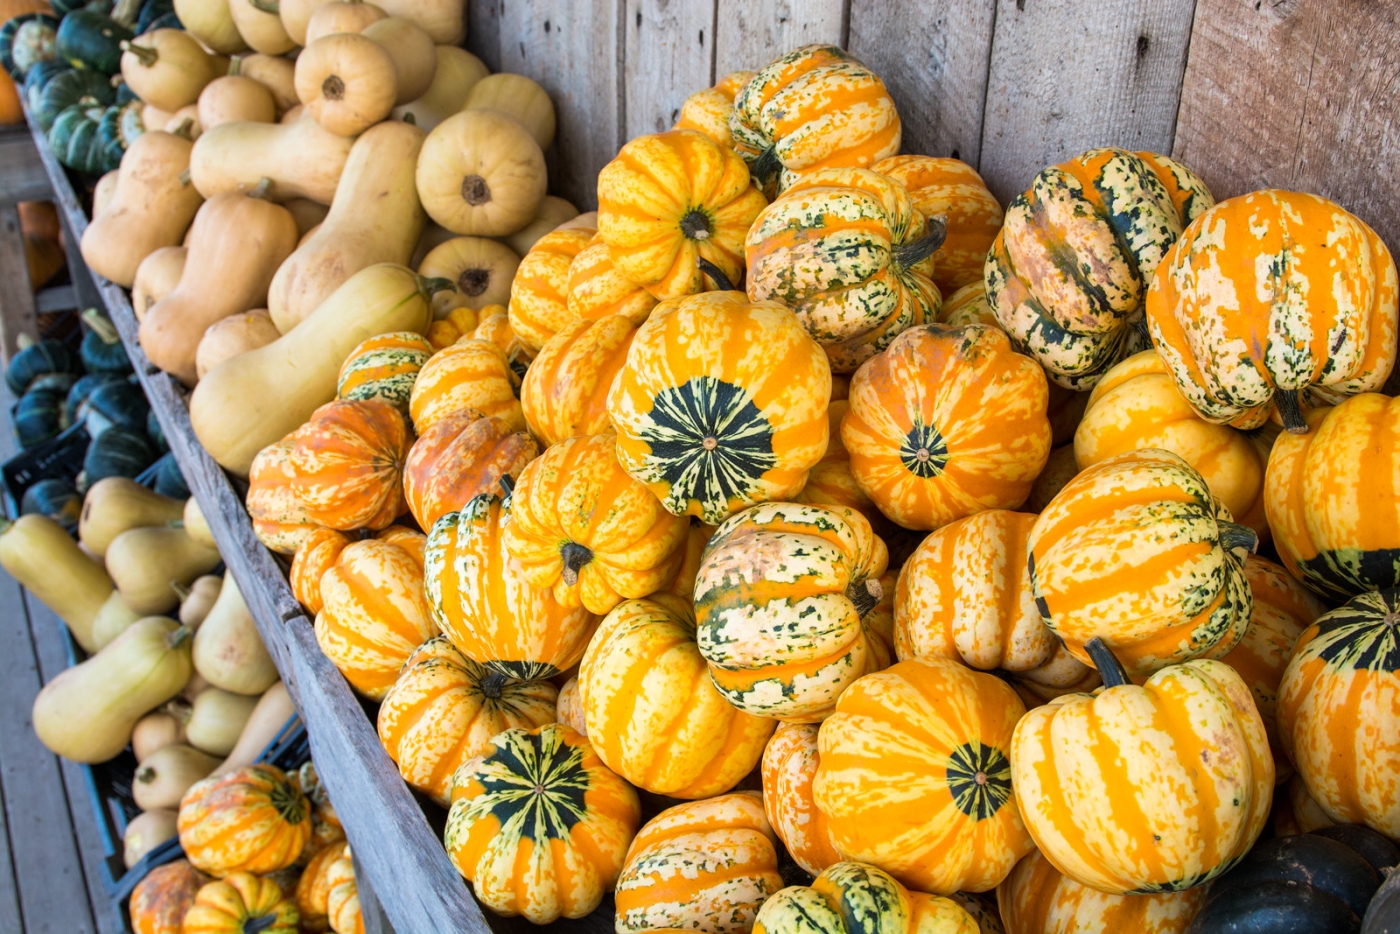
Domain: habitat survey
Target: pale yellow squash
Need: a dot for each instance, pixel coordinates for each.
(341, 16)
(457, 73)
(273, 72)
(347, 82)
(260, 27)
(479, 269)
(235, 98)
(413, 52)
(302, 160)
(521, 99)
(236, 334)
(552, 213)
(156, 278)
(211, 22)
(481, 173)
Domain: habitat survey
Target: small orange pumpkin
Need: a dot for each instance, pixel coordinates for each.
(347, 464)
(789, 764)
(241, 902)
(539, 304)
(565, 391)
(709, 110)
(316, 555)
(597, 289)
(471, 375)
(160, 900)
(280, 520)
(253, 819)
(459, 457)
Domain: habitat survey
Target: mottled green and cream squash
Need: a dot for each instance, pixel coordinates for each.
(539, 825)
(968, 305)
(1137, 552)
(721, 404)
(1339, 712)
(1068, 273)
(857, 898)
(384, 367)
(779, 600)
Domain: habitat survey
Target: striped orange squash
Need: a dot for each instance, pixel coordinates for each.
(1135, 551)
(1068, 273)
(1060, 469)
(857, 898)
(709, 110)
(830, 482)
(914, 775)
(655, 717)
(568, 707)
(373, 615)
(444, 708)
(343, 896)
(968, 305)
(494, 328)
(1135, 790)
(683, 584)
(316, 555)
(581, 526)
(347, 464)
(1339, 712)
(280, 520)
(160, 900)
(539, 292)
(483, 602)
(789, 765)
(1271, 295)
(471, 375)
(673, 209)
(1336, 527)
(241, 901)
(410, 540)
(384, 368)
(313, 888)
(565, 391)
(703, 866)
(598, 289)
(1037, 899)
(945, 423)
(252, 819)
(458, 458)
(951, 189)
(779, 601)
(539, 825)
(721, 404)
(1299, 808)
(459, 323)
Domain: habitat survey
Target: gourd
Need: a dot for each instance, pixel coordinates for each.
(211, 22)
(241, 901)
(564, 393)
(271, 714)
(341, 16)
(39, 416)
(270, 814)
(143, 562)
(302, 160)
(597, 289)
(444, 20)
(235, 98)
(168, 69)
(88, 39)
(708, 110)
(163, 778)
(260, 28)
(384, 367)
(216, 721)
(413, 54)
(458, 458)
(196, 526)
(347, 82)
(1036, 899)
(118, 504)
(470, 375)
(236, 243)
(102, 351)
(37, 360)
(68, 88)
(347, 464)
(119, 404)
(158, 729)
(228, 650)
(144, 833)
(480, 270)
(88, 711)
(234, 423)
(160, 900)
(156, 277)
(789, 765)
(829, 483)
(458, 71)
(539, 292)
(198, 599)
(552, 213)
(273, 72)
(117, 452)
(279, 520)
(40, 554)
(568, 708)
(150, 209)
(27, 40)
(481, 173)
(853, 898)
(313, 888)
(231, 336)
(374, 218)
(519, 97)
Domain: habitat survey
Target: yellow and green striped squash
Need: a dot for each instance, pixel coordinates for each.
(1068, 273)
(384, 368)
(241, 901)
(849, 253)
(1135, 790)
(857, 898)
(1137, 552)
(708, 110)
(539, 293)
(1271, 295)
(968, 305)
(779, 603)
(539, 825)
(1339, 712)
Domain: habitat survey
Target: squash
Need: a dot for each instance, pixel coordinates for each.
(40, 554)
(341, 16)
(458, 71)
(564, 393)
(271, 714)
(520, 98)
(117, 452)
(216, 720)
(118, 404)
(710, 431)
(458, 458)
(40, 359)
(343, 897)
(211, 22)
(539, 292)
(374, 218)
(853, 898)
(104, 189)
(789, 764)
(709, 110)
(260, 28)
(581, 814)
(384, 368)
(1037, 899)
(228, 650)
(568, 708)
(308, 214)
(707, 745)
(102, 351)
(144, 561)
(553, 212)
(118, 504)
(199, 597)
(231, 336)
(313, 888)
(302, 160)
(144, 833)
(234, 98)
(494, 328)
(273, 72)
(167, 68)
(156, 277)
(279, 519)
(159, 729)
(86, 713)
(69, 88)
(27, 40)
(597, 289)
(267, 810)
(234, 423)
(159, 902)
(480, 270)
(347, 464)
(413, 53)
(54, 498)
(347, 82)
(481, 173)
(316, 554)
(163, 778)
(39, 416)
(89, 39)
(699, 866)
(241, 902)
(443, 710)
(150, 209)
(444, 20)
(829, 483)
(471, 375)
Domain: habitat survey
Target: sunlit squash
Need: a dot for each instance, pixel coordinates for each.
(253, 819)
(460, 457)
(565, 391)
(830, 483)
(241, 901)
(469, 375)
(709, 110)
(384, 367)
(494, 327)
(480, 269)
(280, 520)
(598, 289)
(481, 173)
(316, 554)
(539, 293)
(347, 464)
(789, 765)
(857, 898)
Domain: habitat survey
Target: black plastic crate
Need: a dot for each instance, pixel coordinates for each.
(59, 458)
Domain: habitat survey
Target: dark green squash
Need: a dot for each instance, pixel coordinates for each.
(75, 142)
(117, 452)
(80, 391)
(169, 20)
(169, 480)
(1276, 907)
(64, 7)
(1374, 847)
(39, 77)
(46, 356)
(39, 416)
(116, 404)
(54, 382)
(1383, 915)
(88, 39)
(102, 350)
(151, 11)
(74, 87)
(120, 124)
(155, 434)
(57, 499)
(25, 41)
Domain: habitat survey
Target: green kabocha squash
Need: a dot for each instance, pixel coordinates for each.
(102, 350)
(79, 392)
(88, 39)
(39, 416)
(39, 77)
(169, 481)
(125, 95)
(54, 382)
(27, 40)
(62, 8)
(154, 434)
(169, 20)
(117, 452)
(55, 498)
(72, 87)
(47, 356)
(75, 142)
(120, 124)
(151, 11)
(117, 404)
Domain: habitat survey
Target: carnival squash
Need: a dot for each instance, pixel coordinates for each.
(471, 375)
(316, 554)
(241, 901)
(709, 110)
(1037, 899)
(302, 159)
(481, 173)
(160, 900)
(347, 464)
(789, 764)
(950, 189)
(597, 289)
(857, 898)
(384, 367)
(539, 292)
(253, 819)
(565, 390)
(280, 521)
(460, 457)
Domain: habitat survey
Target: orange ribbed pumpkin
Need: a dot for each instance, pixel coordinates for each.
(316, 555)
(313, 888)
(539, 303)
(160, 900)
(789, 765)
(459, 457)
(709, 110)
(280, 520)
(347, 464)
(951, 189)
(241, 902)
(459, 323)
(830, 482)
(469, 376)
(494, 328)
(343, 896)
(252, 819)
(384, 368)
(565, 391)
(597, 289)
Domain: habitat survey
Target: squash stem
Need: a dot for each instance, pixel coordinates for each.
(235, 64)
(1233, 535)
(180, 709)
(765, 166)
(1140, 325)
(696, 225)
(258, 925)
(185, 129)
(146, 55)
(1110, 669)
(181, 590)
(145, 775)
(507, 485)
(431, 285)
(176, 523)
(721, 281)
(576, 557)
(1290, 411)
(911, 254)
(865, 595)
(103, 328)
(179, 637)
(493, 685)
(185, 177)
(261, 189)
(125, 11)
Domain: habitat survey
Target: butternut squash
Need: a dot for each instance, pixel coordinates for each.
(162, 779)
(233, 413)
(444, 20)
(341, 16)
(479, 269)
(143, 562)
(520, 98)
(302, 159)
(115, 505)
(151, 207)
(88, 711)
(104, 189)
(237, 244)
(156, 730)
(306, 213)
(553, 211)
(273, 72)
(185, 122)
(293, 115)
(155, 117)
(41, 555)
(217, 721)
(196, 526)
(156, 278)
(198, 598)
(457, 73)
(211, 22)
(413, 52)
(268, 718)
(346, 82)
(235, 98)
(228, 650)
(168, 69)
(232, 336)
(261, 30)
(481, 173)
(375, 218)
(145, 832)
(112, 620)
(295, 15)
(192, 689)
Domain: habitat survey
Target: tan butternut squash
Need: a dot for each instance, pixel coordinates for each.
(457, 73)
(143, 563)
(553, 211)
(167, 69)
(295, 15)
(104, 189)
(151, 207)
(156, 278)
(115, 505)
(112, 620)
(229, 651)
(235, 98)
(481, 173)
(196, 526)
(479, 269)
(217, 720)
(346, 82)
(302, 159)
(273, 72)
(232, 336)
(198, 598)
(413, 52)
(88, 711)
(260, 28)
(162, 779)
(185, 122)
(444, 20)
(375, 218)
(237, 244)
(145, 832)
(268, 718)
(520, 98)
(293, 115)
(233, 414)
(211, 22)
(156, 730)
(341, 16)
(41, 555)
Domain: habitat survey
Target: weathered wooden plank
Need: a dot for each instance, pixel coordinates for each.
(9, 889)
(18, 314)
(1297, 95)
(933, 58)
(22, 176)
(484, 31)
(1068, 75)
(751, 33)
(670, 51)
(574, 50)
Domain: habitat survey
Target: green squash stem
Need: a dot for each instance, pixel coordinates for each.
(765, 166)
(267, 6)
(101, 326)
(1110, 669)
(1233, 535)
(431, 286)
(721, 281)
(146, 55)
(910, 254)
(493, 685)
(257, 925)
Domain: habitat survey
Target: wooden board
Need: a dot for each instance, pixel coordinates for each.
(484, 31)
(751, 33)
(1068, 75)
(669, 51)
(18, 313)
(9, 888)
(22, 176)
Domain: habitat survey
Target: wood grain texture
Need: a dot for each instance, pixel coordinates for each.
(22, 176)
(934, 61)
(574, 50)
(751, 33)
(669, 52)
(484, 31)
(1070, 75)
(18, 311)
